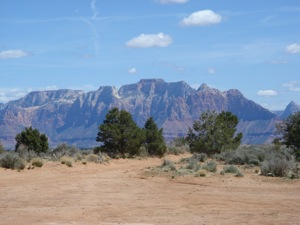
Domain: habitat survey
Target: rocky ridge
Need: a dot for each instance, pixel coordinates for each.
(74, 116)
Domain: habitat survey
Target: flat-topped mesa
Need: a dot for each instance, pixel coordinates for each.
(152, 87)
(147, 81)
(144, 87)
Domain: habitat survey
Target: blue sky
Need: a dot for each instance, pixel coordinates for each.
(253, 46)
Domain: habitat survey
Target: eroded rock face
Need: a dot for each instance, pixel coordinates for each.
(74, 116)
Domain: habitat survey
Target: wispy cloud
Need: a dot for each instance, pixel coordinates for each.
(292, 86)
(172, 66)
(132, 71)
(293, 48)
(172, 1)
(267, 19)
(7, 95)
(211, 71)
(96, 37)
(94, 9)
(150, 40)
(13, 54)
(202, 18)
(266, 93)
(278, 62)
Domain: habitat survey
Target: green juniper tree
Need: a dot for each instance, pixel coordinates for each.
(214, 133)
(1, 148)
(32, 140)
(119, 134)
(290, 130)
(155, 143)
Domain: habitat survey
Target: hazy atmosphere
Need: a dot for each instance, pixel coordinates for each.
(253, 46)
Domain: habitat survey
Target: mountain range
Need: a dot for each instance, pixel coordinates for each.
(73, 116)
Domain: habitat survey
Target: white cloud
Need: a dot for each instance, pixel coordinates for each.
(49, 88)
(7, 94)
(266, 93)
(13, 54)
(202, 18)
(293, 48)
(172, 66)
(211, 71)
(150, 40)
(278, 62)
(173, 1)
(292, 86)
(94, 9)
(132, 71)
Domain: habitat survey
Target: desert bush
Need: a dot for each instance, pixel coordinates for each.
(193, 164)
(230, 169)
(239, 174)
(242, 155)
(69, 164)
(26, 154)
(78, 156)
(200, 157)
(210, 166)
(143, 152)
(64, 150)
(168, 165)
(179, 141)
(201, 173)
(37, 162)
(253, 154)
(276, 166)
(178, 150)
(179, 145)
(11, 161)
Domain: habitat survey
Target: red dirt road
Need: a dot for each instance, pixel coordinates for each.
(121, 193)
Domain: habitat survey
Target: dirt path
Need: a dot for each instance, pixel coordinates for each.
(120, 193)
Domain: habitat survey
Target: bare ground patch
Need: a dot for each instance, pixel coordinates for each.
(120, 192)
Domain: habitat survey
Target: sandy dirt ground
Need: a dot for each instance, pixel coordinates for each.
(121, 193)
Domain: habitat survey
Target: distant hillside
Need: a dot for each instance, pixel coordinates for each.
(74, 116)
(290, 109)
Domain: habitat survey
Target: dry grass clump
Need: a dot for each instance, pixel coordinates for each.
(201, 173)
(68, 161)
(96, 158)
(37, 162)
